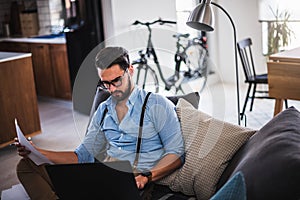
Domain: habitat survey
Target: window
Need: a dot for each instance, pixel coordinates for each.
(272, 13)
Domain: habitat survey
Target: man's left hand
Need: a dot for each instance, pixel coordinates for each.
(141, 181)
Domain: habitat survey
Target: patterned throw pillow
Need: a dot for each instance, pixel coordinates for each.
(234, 189)
(209, 144)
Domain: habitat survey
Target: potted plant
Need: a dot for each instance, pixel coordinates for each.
(279, 33)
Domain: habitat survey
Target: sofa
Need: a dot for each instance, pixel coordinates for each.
(227, 161)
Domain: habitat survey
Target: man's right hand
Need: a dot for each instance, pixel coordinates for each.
(22, 151)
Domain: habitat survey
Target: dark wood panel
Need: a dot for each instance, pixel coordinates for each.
(17, 99)
(43, 74)
(50, 66)
(61, 75)
(14, 47)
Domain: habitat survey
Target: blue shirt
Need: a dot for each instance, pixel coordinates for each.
(161, 131)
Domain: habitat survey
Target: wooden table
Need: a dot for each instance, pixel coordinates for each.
(284, 77)
(17, 97)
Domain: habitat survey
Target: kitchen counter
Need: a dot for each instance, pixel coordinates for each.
(49, 60)
(18, 97)
(55, 40)
(8, 56)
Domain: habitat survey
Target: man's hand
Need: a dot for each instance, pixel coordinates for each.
(59, 157)
(141, 181)
(22, 151)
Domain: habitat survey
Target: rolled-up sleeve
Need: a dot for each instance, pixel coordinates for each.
(94, 141)
(83, 155)
(168, 126)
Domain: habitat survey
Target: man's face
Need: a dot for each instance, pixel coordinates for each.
(117, 81)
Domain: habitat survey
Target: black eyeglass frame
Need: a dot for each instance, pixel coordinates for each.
(117, 82)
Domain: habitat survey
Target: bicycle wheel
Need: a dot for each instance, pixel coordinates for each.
(146, 78)
(197, 63)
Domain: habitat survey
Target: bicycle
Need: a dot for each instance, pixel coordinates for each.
(194, 55)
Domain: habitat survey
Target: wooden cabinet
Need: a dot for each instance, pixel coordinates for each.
(14, 47)
(50, 66)
(42, 69)
(61, 75)
(17, 99)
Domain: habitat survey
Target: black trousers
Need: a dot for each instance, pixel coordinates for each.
(155, 191)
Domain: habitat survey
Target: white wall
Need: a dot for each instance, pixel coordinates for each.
(119, 14)
(118, 29)
(244, 14)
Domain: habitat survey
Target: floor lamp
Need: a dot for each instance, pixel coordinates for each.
(202, 18)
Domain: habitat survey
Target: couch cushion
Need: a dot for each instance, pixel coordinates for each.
(209, 144)
(193, 98)
(234, 189)
(101, 95)
(270, 160)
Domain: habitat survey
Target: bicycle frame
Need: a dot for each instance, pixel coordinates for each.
(180, 56)
(151, 51)
(142, 63)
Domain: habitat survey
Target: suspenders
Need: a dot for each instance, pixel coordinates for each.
(139, 139)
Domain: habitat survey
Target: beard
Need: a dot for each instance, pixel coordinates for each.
(119, 95)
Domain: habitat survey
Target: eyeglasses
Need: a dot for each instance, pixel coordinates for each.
(117, 82)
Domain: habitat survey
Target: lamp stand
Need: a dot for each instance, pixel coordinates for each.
(236, 60)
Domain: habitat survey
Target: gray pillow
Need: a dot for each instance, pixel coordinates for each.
(193, 98)
(270, 160)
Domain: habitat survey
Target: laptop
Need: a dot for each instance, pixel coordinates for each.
(94, 181)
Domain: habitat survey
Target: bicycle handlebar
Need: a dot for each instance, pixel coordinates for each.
(160, 21)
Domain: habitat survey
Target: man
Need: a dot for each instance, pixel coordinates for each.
(162, 148)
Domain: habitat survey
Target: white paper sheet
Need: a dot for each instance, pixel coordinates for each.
(15, 192)
(35, 155)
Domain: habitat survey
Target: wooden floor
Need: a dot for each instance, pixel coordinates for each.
(63, 129)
